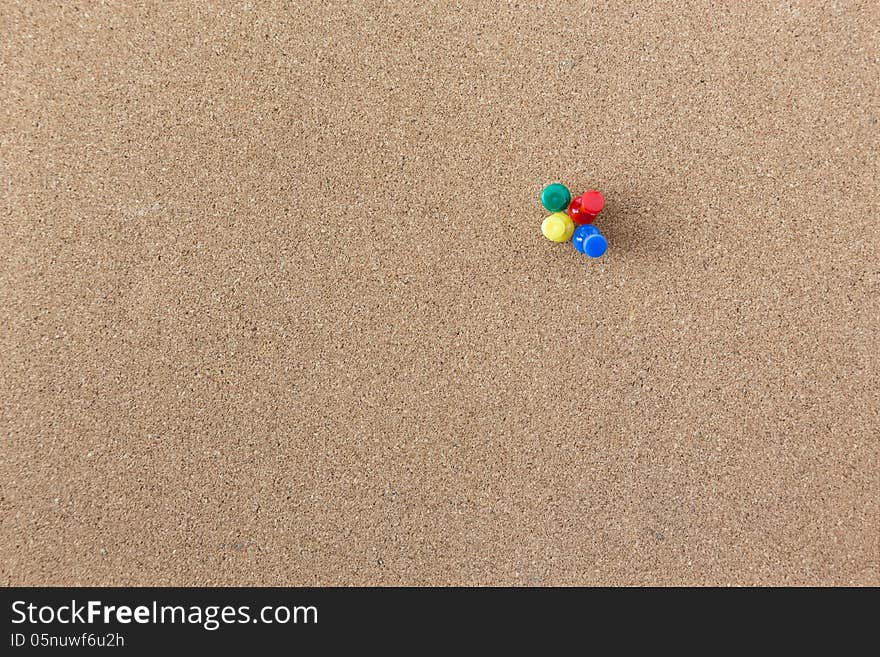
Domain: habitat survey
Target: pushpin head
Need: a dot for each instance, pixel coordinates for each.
(555, 197)
(584, 208)
(592, 202)
(595, 246)
(588, 240)
(558, 227)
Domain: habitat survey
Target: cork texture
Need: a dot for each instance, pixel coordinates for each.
(276, 308)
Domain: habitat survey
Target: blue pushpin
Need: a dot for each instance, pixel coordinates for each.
(587, 239)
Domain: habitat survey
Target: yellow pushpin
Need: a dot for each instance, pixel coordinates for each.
(558, 227)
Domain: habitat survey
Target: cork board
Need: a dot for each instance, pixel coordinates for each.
(276, 308)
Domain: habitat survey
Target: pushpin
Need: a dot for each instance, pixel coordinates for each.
(585, 207)
(558, 227)
(556, 197)
(588, 240)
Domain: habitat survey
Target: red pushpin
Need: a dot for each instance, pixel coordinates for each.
(584, 208)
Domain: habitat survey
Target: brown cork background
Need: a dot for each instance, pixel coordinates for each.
(276, 308)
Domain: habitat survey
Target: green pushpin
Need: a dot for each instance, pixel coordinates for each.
(556, 197)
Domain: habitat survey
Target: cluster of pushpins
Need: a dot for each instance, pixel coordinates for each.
(582, 210)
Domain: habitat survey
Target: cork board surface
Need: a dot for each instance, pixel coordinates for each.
(276, 308)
